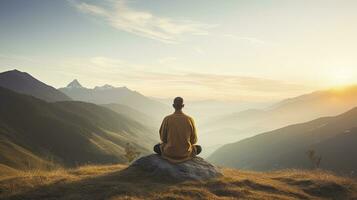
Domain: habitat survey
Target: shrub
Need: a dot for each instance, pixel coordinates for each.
(314, 158)
(131, 153)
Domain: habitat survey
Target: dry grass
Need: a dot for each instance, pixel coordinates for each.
(7, 171)
(114, 182)
(15, 155)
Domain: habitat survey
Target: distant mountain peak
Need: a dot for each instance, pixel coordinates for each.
(74, 84)
(104, 87)
(15, 72)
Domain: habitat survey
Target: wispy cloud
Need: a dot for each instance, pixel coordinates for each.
(92, 9)
(242, 38)
(144, 23)
(102, 70)
(220, 82)
(199, 51)
(157, 81)
(216, 86)
(166, 60)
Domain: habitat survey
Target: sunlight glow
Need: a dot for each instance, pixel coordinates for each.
(341, 78)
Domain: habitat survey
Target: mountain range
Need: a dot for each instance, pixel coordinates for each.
(37, 133)
(333, 139)
(304, 108)
(24, 83)
(43, 126)
(116, 95)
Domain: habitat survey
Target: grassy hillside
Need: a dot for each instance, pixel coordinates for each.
(115, 182)
(35, 133)
(332, 138)
(6, 171)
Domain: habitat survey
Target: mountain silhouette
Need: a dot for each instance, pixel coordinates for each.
(24, 83)
(108, 94)
(36, 133)
(304, 108)
(333, 139)
(74, 84)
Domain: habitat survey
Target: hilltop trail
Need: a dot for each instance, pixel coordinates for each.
(119, 182)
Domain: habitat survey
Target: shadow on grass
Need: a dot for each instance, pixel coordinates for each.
(124, 183)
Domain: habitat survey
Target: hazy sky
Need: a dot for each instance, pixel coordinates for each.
(228, 50)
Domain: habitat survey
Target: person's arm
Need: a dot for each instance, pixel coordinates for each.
(163, 131)
(193, 138)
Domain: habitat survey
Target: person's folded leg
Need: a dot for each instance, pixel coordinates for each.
(157, 149)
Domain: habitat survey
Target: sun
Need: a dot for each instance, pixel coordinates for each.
(341, 78)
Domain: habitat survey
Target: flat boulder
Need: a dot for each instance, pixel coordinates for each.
(195, 169)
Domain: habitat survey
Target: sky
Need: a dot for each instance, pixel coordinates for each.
(230, 50)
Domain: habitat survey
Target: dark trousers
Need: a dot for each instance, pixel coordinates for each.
(158, 150)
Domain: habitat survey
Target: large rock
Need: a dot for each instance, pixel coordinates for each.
(194, 169)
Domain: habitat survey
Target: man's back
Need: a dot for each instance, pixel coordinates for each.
(178, 134)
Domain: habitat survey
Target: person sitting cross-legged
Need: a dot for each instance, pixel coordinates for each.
(178, 136)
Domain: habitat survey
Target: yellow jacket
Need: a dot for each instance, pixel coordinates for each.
(178, 136)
